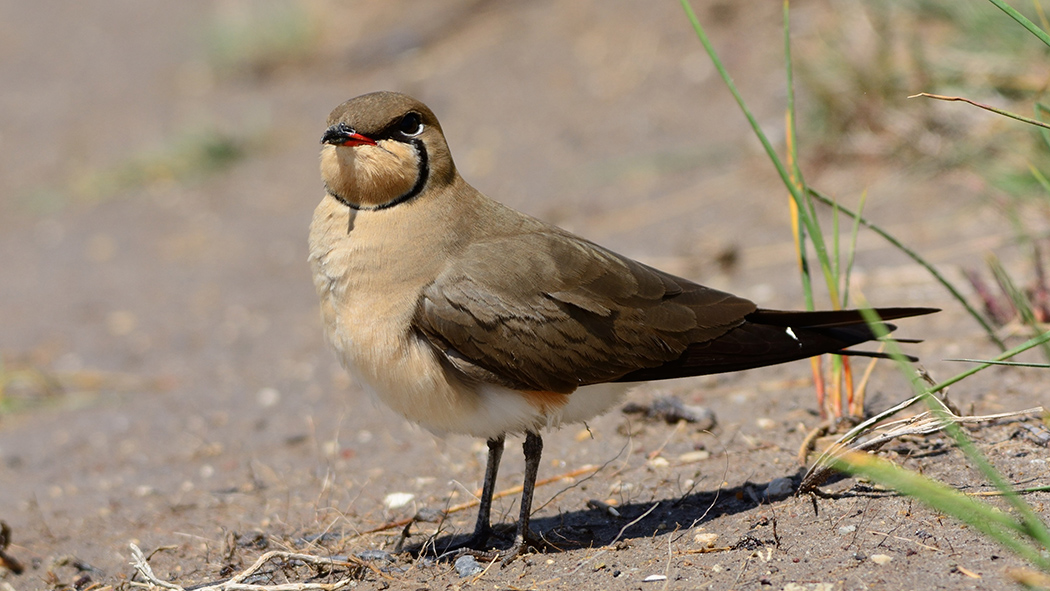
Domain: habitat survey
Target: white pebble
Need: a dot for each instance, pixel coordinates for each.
(881, 558)
(398, 499)
(659, 462)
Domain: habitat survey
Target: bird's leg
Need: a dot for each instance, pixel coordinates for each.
(482, 528)
(524, 539)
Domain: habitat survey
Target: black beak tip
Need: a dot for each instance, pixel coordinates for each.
(337, 134)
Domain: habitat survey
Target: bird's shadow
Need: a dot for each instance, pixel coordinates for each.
(598, 526)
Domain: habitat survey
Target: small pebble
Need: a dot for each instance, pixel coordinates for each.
(467, 565)
(654, 578)
(705, 539)
(847, 529)
(779, 488)
(659, 462)
(398, 499)
(881, 558)
(694, 456)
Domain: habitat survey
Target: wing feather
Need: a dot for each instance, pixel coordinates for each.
(568, 314)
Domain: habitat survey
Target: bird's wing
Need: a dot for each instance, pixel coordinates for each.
(545, 310)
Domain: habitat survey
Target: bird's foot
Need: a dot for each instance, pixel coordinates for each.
(522, 544)
(473, 546)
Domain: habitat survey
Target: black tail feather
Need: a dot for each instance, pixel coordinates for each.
(769, 337)
(874, 354)
(829, 318)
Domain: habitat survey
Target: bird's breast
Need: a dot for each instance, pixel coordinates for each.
(369, 276)
(369, 281)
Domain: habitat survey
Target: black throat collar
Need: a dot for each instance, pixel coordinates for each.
(421, 181)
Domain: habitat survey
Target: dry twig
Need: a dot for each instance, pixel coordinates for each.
(1027, 120)
(921, 424)
(236, 583)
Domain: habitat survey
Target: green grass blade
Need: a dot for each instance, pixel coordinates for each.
(792, 131)
(809, 220)
(1029, 344)
(989, 330)
(1007, 363)
(854, 233)
(799, 222)
(1040, 111)
(995, 524)
(799, 190)
(1020, 18)
(1038, 175)
(1019, 299)
(836, 258)
(1030, 522)
(803, 263)
(939, 386)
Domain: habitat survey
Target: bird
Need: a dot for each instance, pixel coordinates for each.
(466, 316)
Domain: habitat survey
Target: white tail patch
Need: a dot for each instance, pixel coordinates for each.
(792, 334)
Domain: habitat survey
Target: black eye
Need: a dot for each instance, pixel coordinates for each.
(410, 125)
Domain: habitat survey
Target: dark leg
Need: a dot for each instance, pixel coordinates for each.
(482, 529)
(533, 448)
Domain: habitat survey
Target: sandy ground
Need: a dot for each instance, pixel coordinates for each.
(168, 381)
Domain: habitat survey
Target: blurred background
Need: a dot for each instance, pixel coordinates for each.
(159, 335)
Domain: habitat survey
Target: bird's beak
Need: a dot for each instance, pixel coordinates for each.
(342, 134)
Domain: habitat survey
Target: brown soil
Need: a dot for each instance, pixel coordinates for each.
(168, 384)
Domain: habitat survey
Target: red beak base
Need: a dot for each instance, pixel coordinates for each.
(342, 134)
(358, 140)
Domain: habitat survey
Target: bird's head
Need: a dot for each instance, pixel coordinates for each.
(382, 149)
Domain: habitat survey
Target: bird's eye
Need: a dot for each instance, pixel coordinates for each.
(410, 125)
